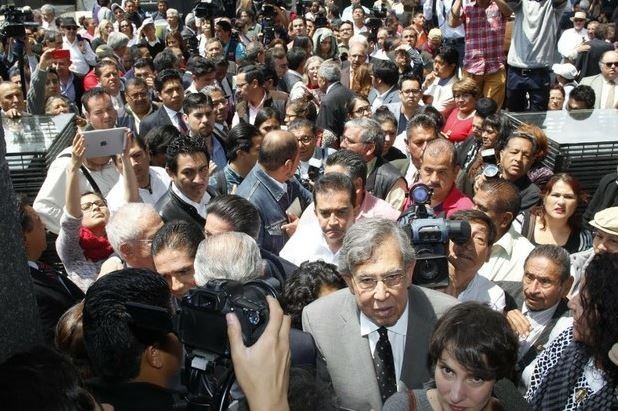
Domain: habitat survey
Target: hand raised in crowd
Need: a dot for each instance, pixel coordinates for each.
(262, 370)
(78, 153)
(518, 323)
(46, 60)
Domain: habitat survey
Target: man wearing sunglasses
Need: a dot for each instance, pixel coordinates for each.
(604, 240)
(604, 84)
(82, 56)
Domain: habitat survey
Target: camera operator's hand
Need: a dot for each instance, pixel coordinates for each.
(263, 369)
(518, 322)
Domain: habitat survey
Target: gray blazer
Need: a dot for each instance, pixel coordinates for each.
(335, 325)
(596, 82)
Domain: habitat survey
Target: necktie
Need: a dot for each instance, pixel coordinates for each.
(384, 365)
(609, 103)
(182, 126)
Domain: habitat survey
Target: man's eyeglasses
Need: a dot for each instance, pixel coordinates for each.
(305, 139)
(370, 283)
(90, 205)
(412, 91)
(70, 28)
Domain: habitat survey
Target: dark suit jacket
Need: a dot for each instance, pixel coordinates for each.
(53, 299)
(333, 112)
(272, 100)
(171, 207)
(335, 325)
(155, 119)
(587, 63)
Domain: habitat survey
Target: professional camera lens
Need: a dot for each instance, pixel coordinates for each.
(491, 171)
(421, 194)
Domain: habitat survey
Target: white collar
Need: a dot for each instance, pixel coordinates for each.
(205, 198)
(401, 326)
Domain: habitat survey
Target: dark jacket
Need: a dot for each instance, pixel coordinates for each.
(132, 396)
(272, 100)
(333, 113)
(53, 298)
(155, 119)
(171, 207)
(587, 62)
(382, 179)
(272, 203)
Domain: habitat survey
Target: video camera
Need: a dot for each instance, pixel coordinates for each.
(202, 328)
(15, 22)
(430, 236)
(209, 9)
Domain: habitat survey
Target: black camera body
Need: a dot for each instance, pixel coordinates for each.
(15, 22)
(430, 236)
(201, 324)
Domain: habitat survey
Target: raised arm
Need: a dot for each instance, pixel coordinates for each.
(72, 193)
(454, 17)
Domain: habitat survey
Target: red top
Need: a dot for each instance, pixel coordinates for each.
(456, 129)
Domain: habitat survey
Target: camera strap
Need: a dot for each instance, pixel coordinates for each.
(86, 174)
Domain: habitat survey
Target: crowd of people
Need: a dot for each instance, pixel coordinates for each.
(283, 146)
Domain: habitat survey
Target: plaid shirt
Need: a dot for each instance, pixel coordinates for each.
(484, 53)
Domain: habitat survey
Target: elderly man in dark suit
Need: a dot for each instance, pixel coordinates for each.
(373, 336)
(332, 113)
(168, 84)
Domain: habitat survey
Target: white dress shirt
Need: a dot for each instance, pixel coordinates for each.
(81, 57)
(508, 254)
(308, 244)
(200, 207)
(396, 336)
(159, 183)
(484, 291)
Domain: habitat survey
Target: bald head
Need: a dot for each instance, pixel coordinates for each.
(610, 73)
(277, 149)
(11, 97)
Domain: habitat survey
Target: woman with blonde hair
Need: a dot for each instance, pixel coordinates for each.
(102, 33)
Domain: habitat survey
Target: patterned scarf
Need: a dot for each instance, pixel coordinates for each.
(557, 386)
(95, 248)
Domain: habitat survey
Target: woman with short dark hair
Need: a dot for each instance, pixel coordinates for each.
(471, 348)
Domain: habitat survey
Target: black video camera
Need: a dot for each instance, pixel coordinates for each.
(15, 22)
(430, 236)
(205, 309)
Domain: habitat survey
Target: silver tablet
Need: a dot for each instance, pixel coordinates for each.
(103, 143)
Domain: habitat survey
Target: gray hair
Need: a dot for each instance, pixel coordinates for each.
(231, 256)
(172, 13)
(362, 239)
(557, 255)
(208, 90)
(126, 225)
(371, 133)
(330, 72)
(190, 19)
(48, 8)
(358, 39)
(117, 40)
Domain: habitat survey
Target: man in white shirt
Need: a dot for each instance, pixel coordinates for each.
(571, 39)
(347, 12)
(48, 17)
(334, 197)
(546, 283)
(500, 200)
(466, 258)
(152, 182)
(82, 56)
